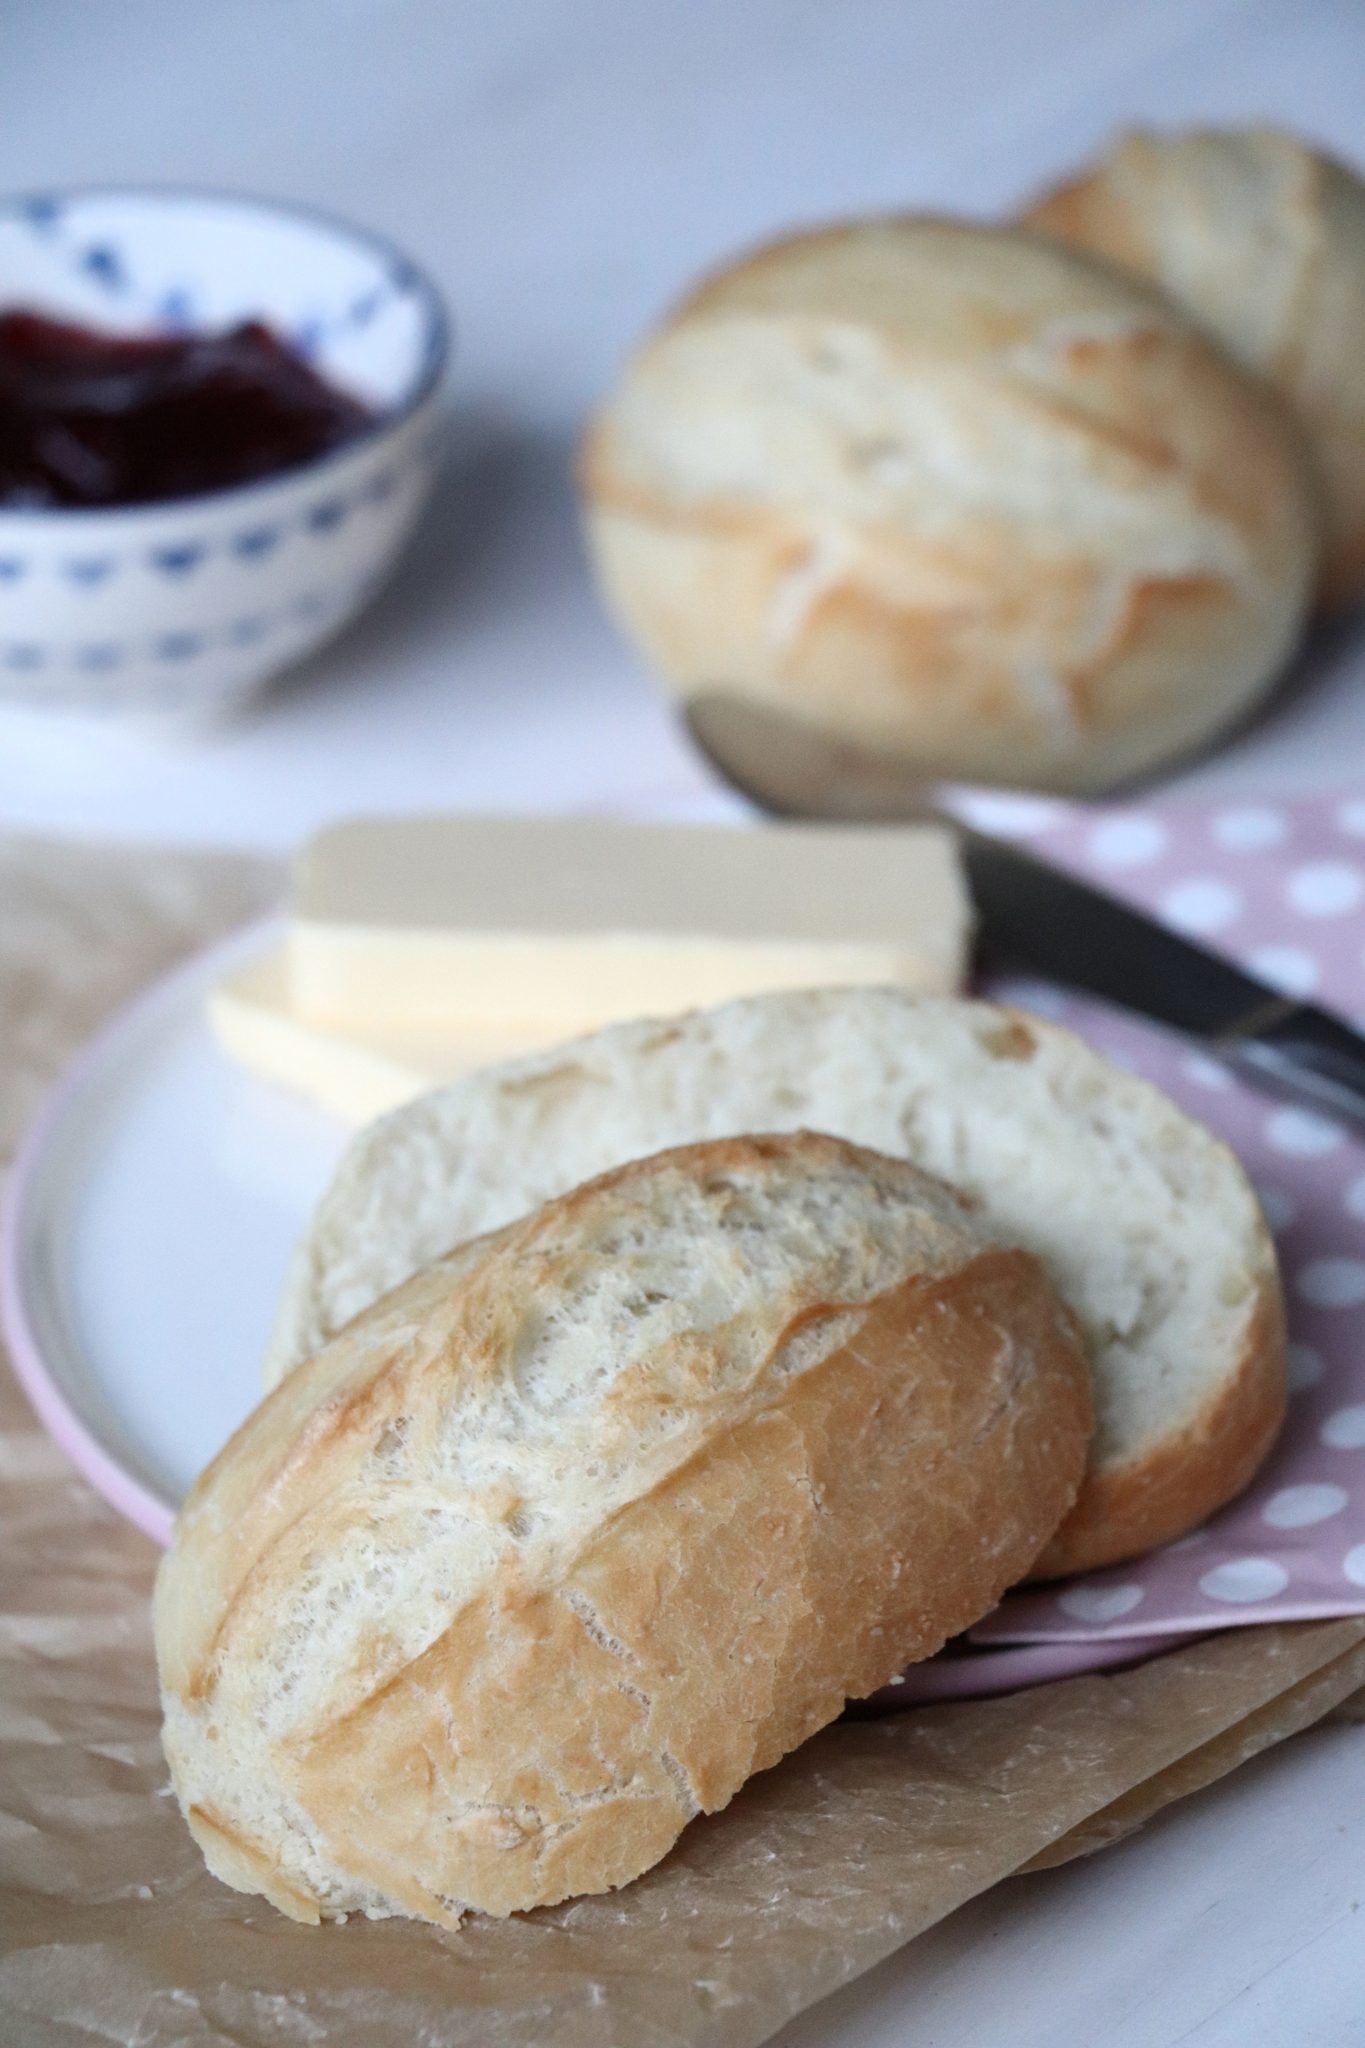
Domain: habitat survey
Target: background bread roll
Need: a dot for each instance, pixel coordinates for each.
(1263, 238)
(958, 493)
(1145, 1220)
(559, 1543)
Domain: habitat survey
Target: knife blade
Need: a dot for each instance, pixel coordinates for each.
(1035, 916)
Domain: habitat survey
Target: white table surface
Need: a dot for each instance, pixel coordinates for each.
(562, 166)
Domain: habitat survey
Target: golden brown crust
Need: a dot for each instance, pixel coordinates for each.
(819, 1526)
(1262, 239)
(1130, 1509)
(936, 684)
(754, 1058)
(974, 633)
(242, 1863)
(723, 1617)
(1082, 211)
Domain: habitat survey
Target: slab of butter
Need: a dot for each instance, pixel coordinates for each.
(354, 1076)
(512, 930)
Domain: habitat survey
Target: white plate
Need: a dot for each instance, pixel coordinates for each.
(151, 1214)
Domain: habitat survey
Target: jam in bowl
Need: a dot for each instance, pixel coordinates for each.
(219, 420)
(93, 417)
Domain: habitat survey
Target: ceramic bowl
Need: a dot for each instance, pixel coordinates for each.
(179, 611)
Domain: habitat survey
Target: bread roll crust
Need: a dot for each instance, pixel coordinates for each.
(1137, 1505)
(1147, 1223)
(956, 493)
(1261, 238)
(681, 1567)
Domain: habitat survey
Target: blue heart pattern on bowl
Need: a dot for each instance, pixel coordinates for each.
(252, 629)
(179, 560)
(252, 544)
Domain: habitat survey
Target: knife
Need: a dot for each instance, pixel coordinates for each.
(1034, 915)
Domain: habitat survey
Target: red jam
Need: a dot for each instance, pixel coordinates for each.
(111, 419)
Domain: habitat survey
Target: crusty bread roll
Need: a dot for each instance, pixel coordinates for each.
(560, 1542)
(957, 493)
(1145, 1220)
(1263, 239)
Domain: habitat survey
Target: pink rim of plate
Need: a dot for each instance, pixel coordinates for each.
(93, 1459)
(970, 1675)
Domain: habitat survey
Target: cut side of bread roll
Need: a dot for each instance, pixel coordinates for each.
(560, 1542)
(1146, 1221)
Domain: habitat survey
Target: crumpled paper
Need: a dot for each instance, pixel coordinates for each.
(112, 1931)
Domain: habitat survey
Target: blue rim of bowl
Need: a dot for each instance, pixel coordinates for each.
(438, 349)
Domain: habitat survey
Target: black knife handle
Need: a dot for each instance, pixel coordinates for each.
(1033, 915)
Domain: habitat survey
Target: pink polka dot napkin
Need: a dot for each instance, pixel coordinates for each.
(1280, 887)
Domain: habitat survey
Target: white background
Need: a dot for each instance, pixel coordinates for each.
(562, 167)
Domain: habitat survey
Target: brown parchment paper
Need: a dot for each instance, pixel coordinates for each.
(112, 1932)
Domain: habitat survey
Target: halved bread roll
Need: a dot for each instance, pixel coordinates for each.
(1146, 1221)
(558, 1543)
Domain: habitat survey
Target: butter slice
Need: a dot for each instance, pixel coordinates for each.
(512, 931)
(352, 1075)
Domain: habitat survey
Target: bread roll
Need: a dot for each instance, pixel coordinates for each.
(1263, 239)
(1146, 1221)
(560, 1542)
(956, 493)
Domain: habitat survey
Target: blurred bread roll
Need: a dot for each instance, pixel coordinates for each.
(1263, 238)
(958, 493)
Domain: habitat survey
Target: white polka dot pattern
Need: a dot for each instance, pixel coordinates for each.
(1204, 904)
(1038, 996)
(1281, 887)
(1095, 1602)
(1127, 842)
(1250, 831)
(1298, 1507)
(1245, 1578)
(1011, 812)
(1206, 1073)
(1345, 1430)
(1327, 888)
(1290, 970)
(1331, 1283)
(1301, 1133)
